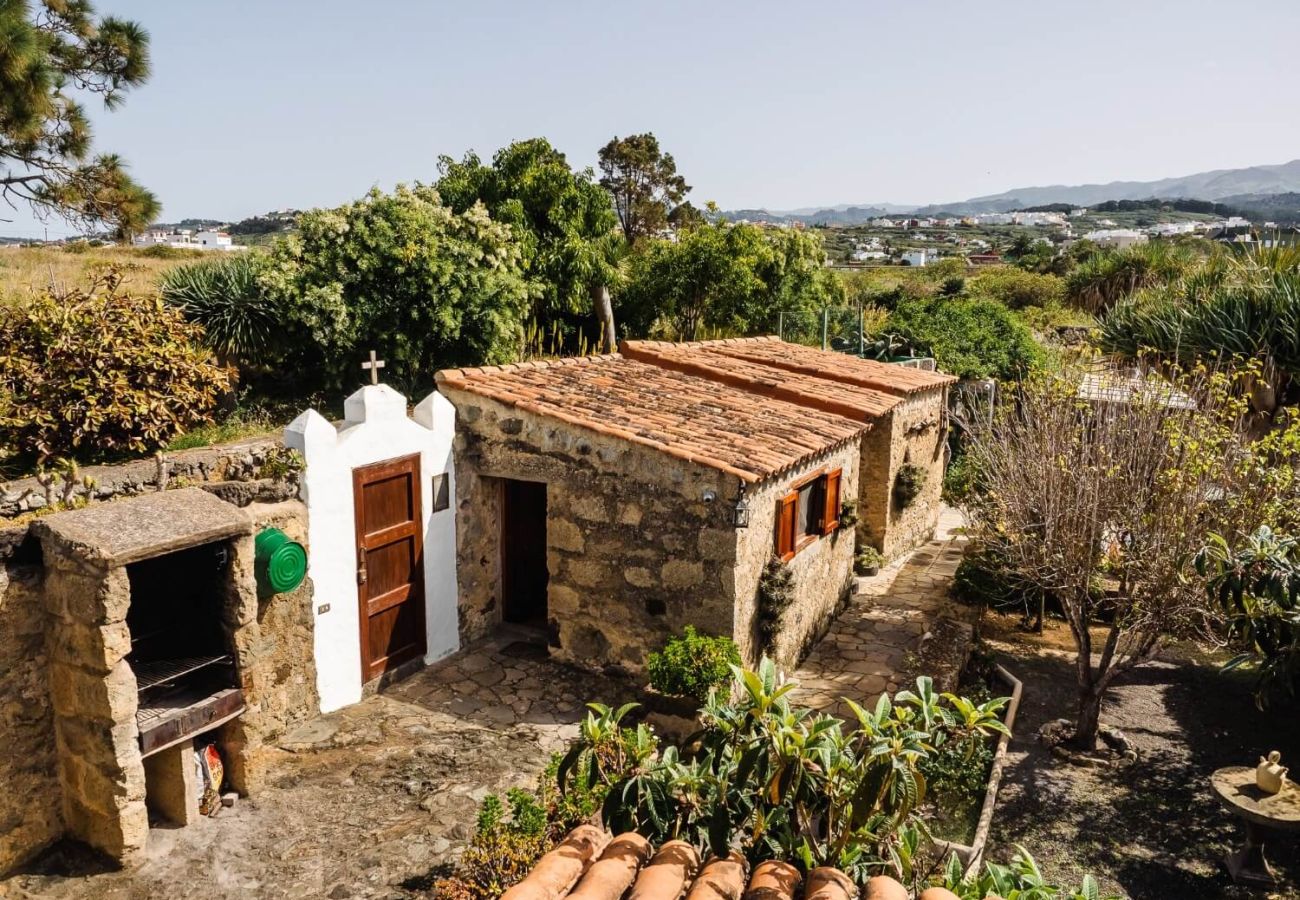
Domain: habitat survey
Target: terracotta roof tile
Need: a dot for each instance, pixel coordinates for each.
(593, 865)
(692, 418)
(837, 367)
(711, 361)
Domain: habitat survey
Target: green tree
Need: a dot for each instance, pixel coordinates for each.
(973, 338)
(734, 278)
(562, 219)
(404, 275)
(643, 182)
(50, 54)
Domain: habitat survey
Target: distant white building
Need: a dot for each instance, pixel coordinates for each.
(186, 239)
(917, 257)
(868, 255)
(1118, 238)
(1172, 229)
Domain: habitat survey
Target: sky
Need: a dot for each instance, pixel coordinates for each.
(256, 105)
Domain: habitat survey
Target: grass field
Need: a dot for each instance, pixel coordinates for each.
(28, 270)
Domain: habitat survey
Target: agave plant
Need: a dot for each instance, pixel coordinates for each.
(240, 320)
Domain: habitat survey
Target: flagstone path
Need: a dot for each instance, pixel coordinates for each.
(869, 650)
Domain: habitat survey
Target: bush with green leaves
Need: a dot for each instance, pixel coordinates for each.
(969, 338)
(868, 559)
(692, 665)
(909, 481)
(1257, 587)
(1021, 879)
(779, 781)
(1015, 288)
(404, 275)
(98, 372)
(502, 850)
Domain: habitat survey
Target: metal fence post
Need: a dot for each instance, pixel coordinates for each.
(826, 319)
(780, 325)
(862, 338)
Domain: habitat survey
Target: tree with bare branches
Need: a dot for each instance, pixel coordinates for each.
(1098, 487)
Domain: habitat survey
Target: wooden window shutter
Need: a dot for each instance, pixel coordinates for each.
(831, 515)
(785, 525)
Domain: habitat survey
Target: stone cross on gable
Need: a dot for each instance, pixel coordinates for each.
(374, 366)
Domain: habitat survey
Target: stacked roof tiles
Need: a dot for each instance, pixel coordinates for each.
(589, 864)
(753, 408)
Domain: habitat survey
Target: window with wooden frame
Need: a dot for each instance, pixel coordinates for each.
(810, 510)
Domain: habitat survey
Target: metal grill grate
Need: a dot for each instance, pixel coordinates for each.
(152, 673)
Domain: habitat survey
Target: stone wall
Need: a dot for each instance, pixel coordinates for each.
(914, 432)
(239, 472)
(30, 801)
(634, 550)
(823, 570)
(273, 642)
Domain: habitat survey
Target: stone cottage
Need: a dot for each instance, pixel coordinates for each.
(906, 408)
(617, 499)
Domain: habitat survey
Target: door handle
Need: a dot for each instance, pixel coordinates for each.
(361, 569)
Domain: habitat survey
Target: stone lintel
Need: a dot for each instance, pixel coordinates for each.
(127, 531)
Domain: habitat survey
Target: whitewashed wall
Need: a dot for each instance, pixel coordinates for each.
(375, 428)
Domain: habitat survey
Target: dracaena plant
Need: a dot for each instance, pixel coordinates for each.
(777, 780)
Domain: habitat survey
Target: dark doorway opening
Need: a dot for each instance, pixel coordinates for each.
(523, 552)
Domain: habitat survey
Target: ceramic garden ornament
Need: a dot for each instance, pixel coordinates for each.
(1270, 774)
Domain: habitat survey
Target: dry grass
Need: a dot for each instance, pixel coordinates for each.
(28, 270)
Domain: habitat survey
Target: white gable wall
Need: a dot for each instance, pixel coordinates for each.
(375, 428)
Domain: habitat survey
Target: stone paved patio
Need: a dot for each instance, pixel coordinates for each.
(866, 651)
(368, 801)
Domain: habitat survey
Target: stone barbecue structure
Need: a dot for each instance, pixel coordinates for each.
(138, 629)
(617, 499)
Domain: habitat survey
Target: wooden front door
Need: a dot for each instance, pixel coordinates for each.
(523, 552)
(390, 563)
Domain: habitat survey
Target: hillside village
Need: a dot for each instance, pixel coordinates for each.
(531, 528)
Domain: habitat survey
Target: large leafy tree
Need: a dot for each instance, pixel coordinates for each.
(562, 219)
(732, 278)
(404, 275)
(643, 182)
(50, 53)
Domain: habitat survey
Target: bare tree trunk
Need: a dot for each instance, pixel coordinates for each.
(1088, 723)
(605, 315)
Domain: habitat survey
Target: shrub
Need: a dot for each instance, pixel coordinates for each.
(908, 484)
(502, 850)
(775, 594)
(406, 276)
(764, 769)
(1106, 278)
(1021, 878)
(239, 320)
(868, 558)
(99, 372)
(960, 481)
(1015, 288)
(693, 664)
(975, 338)
(849, 517)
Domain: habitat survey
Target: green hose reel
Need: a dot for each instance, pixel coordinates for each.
(279, 563)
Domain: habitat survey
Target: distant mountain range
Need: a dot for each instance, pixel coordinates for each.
(1256, 187)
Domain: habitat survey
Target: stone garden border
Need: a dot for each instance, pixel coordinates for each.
(973, 853)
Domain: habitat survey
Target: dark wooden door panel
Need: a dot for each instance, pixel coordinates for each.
(390, 573)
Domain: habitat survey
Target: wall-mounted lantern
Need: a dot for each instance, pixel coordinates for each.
(740, 512)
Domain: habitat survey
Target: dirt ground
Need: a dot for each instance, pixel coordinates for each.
(1156, 830)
